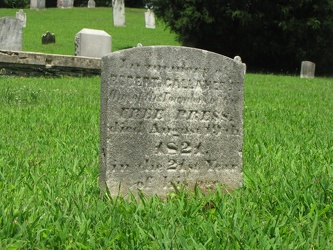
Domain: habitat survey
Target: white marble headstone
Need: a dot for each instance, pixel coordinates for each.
(118, 8)
(11, 33)
(22, 16)
(150, 19)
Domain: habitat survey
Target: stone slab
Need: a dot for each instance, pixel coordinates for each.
(170, 115)
(22, 16)
(118, 10)
(150, 19)
(308, 69)
(92, 43)
(67, 4)
(19, 63)
(11, 33)
(91, 4)
(37, 4)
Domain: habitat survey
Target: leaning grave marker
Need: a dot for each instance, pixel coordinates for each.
(170, 115)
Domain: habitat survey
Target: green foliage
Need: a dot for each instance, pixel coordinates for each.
(273, 35)
(14, 3)
(49, 166)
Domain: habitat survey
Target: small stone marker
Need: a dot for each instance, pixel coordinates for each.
(170, 115)
(37, 4)
(22, 16)
(91, 4)
(48, 38)
(308, 69)
(150, 19)
(239, 60)
(67, 4)
(92, 43)
(118, 8)
(11, 33)
(59, 3)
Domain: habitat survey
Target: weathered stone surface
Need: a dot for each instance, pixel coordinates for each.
(15, 63)
(91, 4)
(308, 69)
(67, 4)
(11, 33)
(92, 43)
(170, 115)
(37, 4)
(118, 8)
(22, 16)
(150, 19)
(48, 38)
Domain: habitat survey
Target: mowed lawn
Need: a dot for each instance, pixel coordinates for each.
(49, 167)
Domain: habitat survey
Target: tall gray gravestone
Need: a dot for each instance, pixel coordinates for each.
(22, 16)
(11, 33)
(170, 116)
(118, 10)
(308, 69)
(37, 4)
(150, 19)
(92, 43)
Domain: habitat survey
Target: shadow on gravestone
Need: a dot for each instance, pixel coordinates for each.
(11, 33)
(170, 115)
(48, 38)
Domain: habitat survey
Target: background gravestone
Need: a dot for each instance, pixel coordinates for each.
(308, 69)
(67, 4)
(118, 8)
(22, 16)
(170, 115)
(150, 19)
(91, 4)
(48, 38)
(92, 43)
(11, 33)
(37, 4)
(59, 3)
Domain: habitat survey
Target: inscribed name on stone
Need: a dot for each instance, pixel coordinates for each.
(37, 4)
(150, 19)
(92, 43)
(170, 115)
(11, 33)
(308, 69)
(22, 16)
(118, 10)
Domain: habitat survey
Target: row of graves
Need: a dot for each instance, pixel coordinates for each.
(118, 7)
(170, 116)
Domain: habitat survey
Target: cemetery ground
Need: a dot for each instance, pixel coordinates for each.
(49, 165)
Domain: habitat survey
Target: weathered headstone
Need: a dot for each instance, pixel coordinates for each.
(308, 69)
(11, 33)
(22, 16)
(59, 3)
(48, 38)
(150, 19)
(67, 4)
(118, 8)
(91, 4)
(239, 60)
(92, 43)
(37, 4)
(170, 115)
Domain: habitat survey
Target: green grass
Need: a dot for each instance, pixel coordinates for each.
(66, 23)
(49, 160)
(49, 150)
